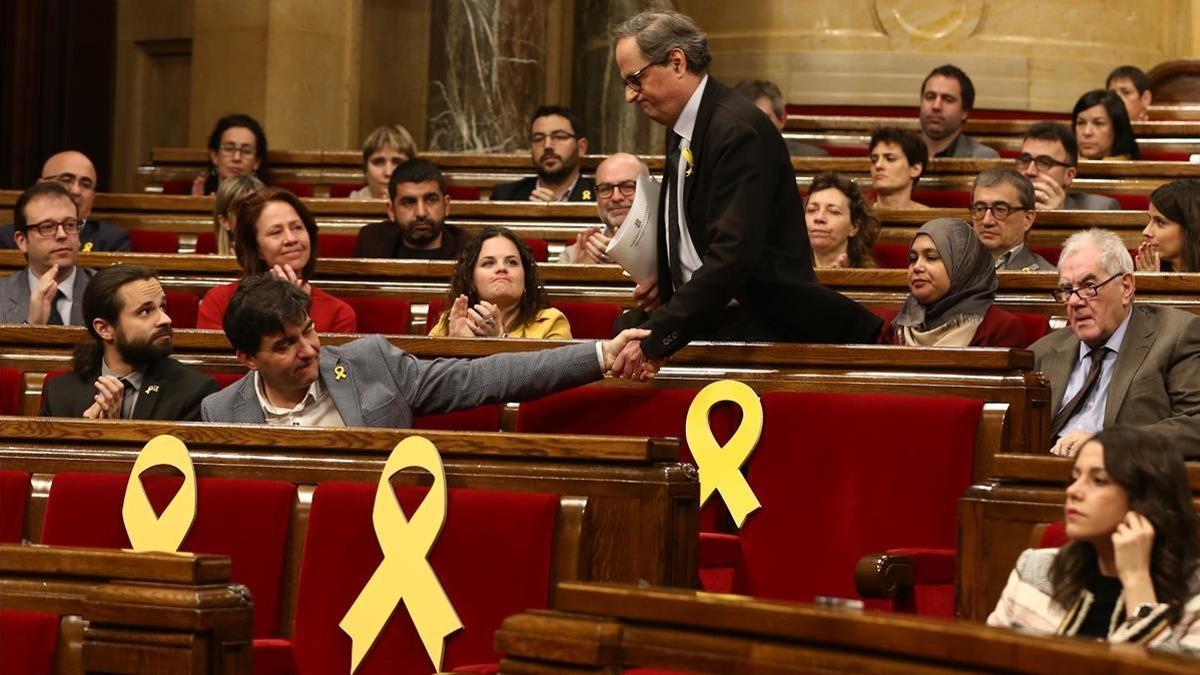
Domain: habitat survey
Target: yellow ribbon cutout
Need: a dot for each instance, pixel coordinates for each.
(150, 532)
(404, 572)
(719, 464)
(339, 373)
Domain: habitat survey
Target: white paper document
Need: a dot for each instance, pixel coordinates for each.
(635, 245)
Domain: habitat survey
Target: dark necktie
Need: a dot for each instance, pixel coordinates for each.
(56, 318)
(127, 399)
(674, 259)
(1068, 411)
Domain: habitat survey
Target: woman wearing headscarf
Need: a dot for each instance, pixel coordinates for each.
(952, 287)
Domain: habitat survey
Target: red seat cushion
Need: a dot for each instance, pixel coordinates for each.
(14, 495)
(153, 241)
(492, 558)
(206, 243)
(247, 520)
(835, 476)
(1037, 326)
(225, 379)
(182, 307)
(539, 248)
(590, 320)
(336, 245)
(943, 199)
(1133, 202)
(297, 188)
(463, 193)
(377, 314)
(12, 390)
(177, 187)
(343, 190)
(1054, 536)
(482, 418)
(890, 256)
(1050, 253)
(30, 641)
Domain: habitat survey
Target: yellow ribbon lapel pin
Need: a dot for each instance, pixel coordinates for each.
(339, 372)
(405, 573)
(719, 465)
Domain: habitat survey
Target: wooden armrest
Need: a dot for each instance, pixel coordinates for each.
(182, 568)
(895, 572)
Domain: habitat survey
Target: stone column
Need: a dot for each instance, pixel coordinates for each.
(486, 73)
(598, 95)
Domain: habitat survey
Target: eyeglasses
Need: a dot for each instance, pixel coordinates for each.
(70, 179)
(556, 137)
(1043, 162)
(49, 228)
(1085, 292)
(627, 188)
(634, 79)
(229, 150)
(999, 209)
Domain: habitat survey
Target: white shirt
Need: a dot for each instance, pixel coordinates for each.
(1090, 415)
(315, 410)
(67, 286)
(685, 126)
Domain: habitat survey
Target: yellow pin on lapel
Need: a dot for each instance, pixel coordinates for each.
(339, 372)
(405, 573)
(687, 157)
(86, 248)
(587, 195)
(147, 531)
(719, 465)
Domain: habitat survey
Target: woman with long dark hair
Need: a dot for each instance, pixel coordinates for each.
(841, 228)
(1102, 128)
(496, 291)
(1172, 237)
(1131, 570)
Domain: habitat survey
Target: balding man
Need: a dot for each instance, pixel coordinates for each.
(77, 174)
(616, 186)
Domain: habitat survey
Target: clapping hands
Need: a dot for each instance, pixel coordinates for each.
(1148, 258)
(482, 320)
(110, 396)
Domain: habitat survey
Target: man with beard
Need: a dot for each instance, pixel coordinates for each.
(125, 371)
(616, 187)
(556, 140)
(416, 227)
(947, 96)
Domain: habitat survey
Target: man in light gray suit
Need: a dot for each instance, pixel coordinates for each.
(1118, 362)
(1049, 157)
(294, 381)
(50, 289)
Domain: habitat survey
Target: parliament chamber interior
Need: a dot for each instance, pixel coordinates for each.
(569, 336)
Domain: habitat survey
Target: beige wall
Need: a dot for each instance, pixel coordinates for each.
(1019, 54)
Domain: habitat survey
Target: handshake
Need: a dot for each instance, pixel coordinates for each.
(623, 356)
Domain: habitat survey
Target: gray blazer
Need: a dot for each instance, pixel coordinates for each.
(14, 296)
(965, 146)
(1156, 379)
(1025, 260)
(1086, 201)
(384, 386)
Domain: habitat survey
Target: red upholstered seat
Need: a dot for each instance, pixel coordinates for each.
(1037, 326)
(1133, 202)
(153, 241)
(177, 187)
(297, 188)
(12, 387)
(377, 314)
(183, 308)
(834, 473)
(1166, 155)
(590, 320)
(943, 199)
(492, 558)
(539, 248)
(29, 642)
(247, 520)
(225, 379)
(343, 190)
(14, 495)
(482, 418)
(890, 256)
(1050, 253)
(206, 243)
(1054, 536)
(336, 245)
(463, 193)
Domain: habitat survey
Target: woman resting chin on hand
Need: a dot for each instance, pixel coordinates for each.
(1131, 570)
(496, 291)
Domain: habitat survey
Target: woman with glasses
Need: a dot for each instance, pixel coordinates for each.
(237, 146)
(1102, 129)
(952, 287)
(276, 234)
(841, 229)
(1130, 570)
(1172, 237)
(496, 291)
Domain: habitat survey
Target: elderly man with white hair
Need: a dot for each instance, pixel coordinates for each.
(1118, 362)
(616, 187)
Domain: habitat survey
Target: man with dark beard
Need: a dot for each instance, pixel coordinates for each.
(416, 227)
(556, 141)
(125, 371)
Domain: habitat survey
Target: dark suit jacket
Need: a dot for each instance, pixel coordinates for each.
(1156, 378)
(519, 191)
(746, 220)
(102, 237)
(170, 391)
(383, 240)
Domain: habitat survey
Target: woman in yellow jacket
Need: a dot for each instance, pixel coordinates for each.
(496, 291)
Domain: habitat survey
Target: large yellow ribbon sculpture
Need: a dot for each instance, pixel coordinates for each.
(404, 572)
(147, 531)
(719, 464)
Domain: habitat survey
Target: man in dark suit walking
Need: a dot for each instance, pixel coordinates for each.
(733, 252)
(125, 370)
